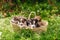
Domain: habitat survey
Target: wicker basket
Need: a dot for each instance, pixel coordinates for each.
(37, 29)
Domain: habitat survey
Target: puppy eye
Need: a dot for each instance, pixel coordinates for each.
(23, 19)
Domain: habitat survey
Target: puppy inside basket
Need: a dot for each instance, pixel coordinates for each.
(35, 23)
(19, 21)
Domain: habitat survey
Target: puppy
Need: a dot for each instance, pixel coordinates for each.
(43, 25)
(19, 20)
(22, 22)
(32, 23)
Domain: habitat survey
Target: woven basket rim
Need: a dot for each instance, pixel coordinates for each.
(33, 28)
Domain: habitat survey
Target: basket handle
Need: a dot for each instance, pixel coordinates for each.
(31, 14)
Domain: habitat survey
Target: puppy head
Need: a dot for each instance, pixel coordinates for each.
(22, 21)
(32, 23)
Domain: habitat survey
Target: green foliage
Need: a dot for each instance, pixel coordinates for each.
(43, 9)
(6, 6)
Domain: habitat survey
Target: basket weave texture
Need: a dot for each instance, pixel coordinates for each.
(41, 28)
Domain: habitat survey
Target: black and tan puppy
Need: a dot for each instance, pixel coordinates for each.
(32, 23)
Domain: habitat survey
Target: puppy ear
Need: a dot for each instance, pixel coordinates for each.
(39, 20)
(36, 20)
(24, 19)
(16, 18)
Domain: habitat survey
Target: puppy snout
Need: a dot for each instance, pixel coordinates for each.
(32, 26)
(21, 24)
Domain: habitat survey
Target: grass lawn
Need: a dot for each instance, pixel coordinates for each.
(53, 32)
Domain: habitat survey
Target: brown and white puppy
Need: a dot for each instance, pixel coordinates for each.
(19, 20)
(22, 22)
(43, 25)
(41, 22)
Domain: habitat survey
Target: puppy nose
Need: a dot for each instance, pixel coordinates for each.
(33, 26)
(21, 24)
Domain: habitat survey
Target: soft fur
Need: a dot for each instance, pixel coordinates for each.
(32, 23)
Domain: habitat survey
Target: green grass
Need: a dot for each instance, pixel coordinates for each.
(53, 32)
